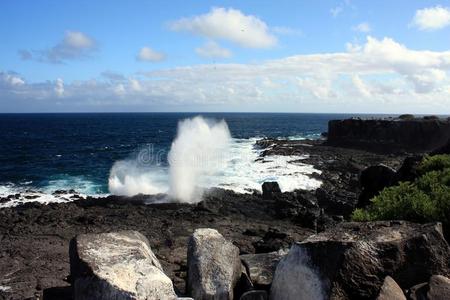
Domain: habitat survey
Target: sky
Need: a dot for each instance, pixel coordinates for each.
(343, 56)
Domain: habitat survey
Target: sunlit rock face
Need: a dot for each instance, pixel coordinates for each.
(118, 265)
(214, 266)
(351, 260)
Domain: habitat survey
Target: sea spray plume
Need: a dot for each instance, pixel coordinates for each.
(198, 150)
(126, 178)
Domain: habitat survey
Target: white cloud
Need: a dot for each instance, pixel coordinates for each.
(380, 75)
(361, 86)
(75, 45)
(213, 50)
(336, 11)
(11, 79)
(148, 54)
(363, 27)
(432, 18)
(228, 24)
(59, 87)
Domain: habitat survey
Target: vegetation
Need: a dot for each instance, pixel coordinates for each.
(425, 199)
(406, 117)
(431, 118)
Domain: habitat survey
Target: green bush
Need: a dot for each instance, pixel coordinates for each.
(425, 199)
(434, 163)
(406, 117)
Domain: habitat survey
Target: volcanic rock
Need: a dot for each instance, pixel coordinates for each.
(214, 266)
(261, 267)
(351, 260)
(439, 288)
(117, 265)
(373, 180)
(390, 290)
(270, 189)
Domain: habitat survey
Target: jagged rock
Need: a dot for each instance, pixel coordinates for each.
(351, 260)
(300, 206)
(214, 266)
(445, 149)
(273, 240)
(255, 295)
(270, 189)
(390, 290)
(117, 265)
(389, 135)
(418, 292)
(261, 267)
(439, 288)
(408, 170)
(373, 180)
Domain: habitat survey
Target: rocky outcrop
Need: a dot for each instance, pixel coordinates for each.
(373, 180)
(439, 288)
(117, 265)
(255, 295)
(389, 135)
(261, 267)
(270, 189)
(214, 266)
(352, 260)
(390, 290)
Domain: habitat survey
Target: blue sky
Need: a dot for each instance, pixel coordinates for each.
(295, 56)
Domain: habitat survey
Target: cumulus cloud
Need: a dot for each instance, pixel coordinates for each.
(59, 87)
(74, 45)
(432, 18)
(228, 24)
(363, 27)
(148, 54)
(213, 50)
(380, 75)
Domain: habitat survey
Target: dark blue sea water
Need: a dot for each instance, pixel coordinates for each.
(65, 151)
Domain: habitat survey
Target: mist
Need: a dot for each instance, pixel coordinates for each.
(198, 150)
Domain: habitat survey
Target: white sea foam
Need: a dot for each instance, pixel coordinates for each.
(23, 193)
(204, 156)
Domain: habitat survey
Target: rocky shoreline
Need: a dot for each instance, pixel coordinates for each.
(34, 238)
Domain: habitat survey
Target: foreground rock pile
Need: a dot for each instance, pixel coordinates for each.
(379, 260)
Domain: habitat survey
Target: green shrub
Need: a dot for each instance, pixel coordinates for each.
(434, 163)
(425, 199)
(406, 117)
(431, 118)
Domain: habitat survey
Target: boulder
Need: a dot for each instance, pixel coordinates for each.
(261, 267)
(390, 290)
(418, 292)
(352, 260)
(373, 180)
(214, 265)
(408, 169)
(439, 288)
(270, 189)
(255, 295)
(117, 265)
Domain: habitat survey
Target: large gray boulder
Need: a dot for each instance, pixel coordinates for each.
(261, 267)
(214, 266)
(117, 265)
(439, 288)
(352, 260)
(390, 290)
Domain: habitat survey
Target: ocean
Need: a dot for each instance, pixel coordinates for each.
(44, 153)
